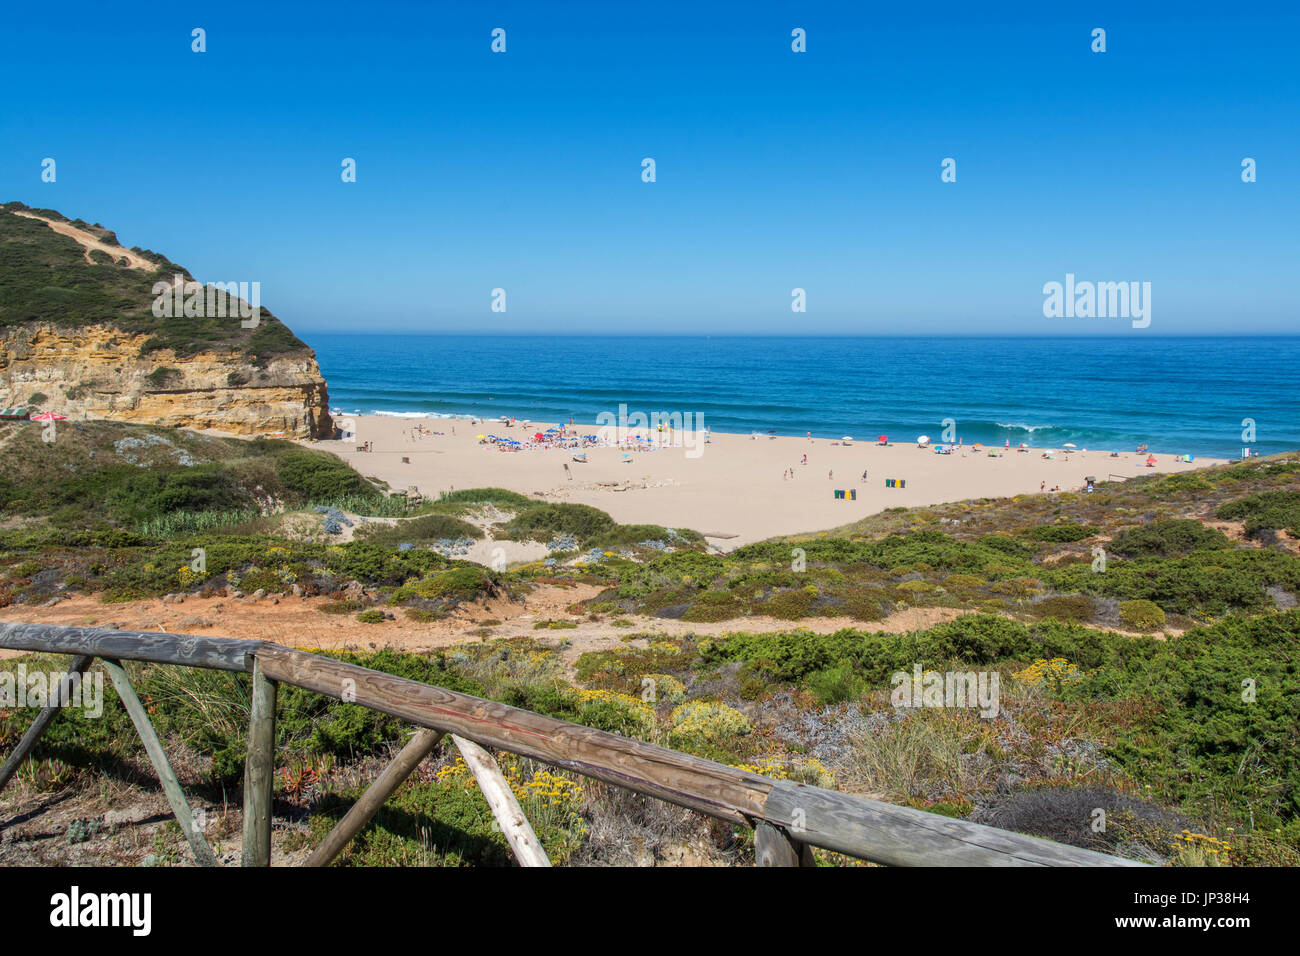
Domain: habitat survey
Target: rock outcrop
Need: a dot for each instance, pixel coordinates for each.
(98, 372)
(80, 336)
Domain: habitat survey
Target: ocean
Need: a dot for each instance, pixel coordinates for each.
(1179, 395)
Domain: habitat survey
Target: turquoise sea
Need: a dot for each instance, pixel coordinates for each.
(1179, 395)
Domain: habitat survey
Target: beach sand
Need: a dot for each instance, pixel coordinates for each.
(733, 492)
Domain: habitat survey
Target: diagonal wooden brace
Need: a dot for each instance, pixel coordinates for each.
(203, 854)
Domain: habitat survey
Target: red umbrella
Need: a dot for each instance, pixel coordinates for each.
(49, 417)
(882, 439)
(538, 437)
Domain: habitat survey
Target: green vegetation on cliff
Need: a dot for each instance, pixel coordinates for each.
(44, 277)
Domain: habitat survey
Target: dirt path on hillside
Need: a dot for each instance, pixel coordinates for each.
(91, 242)
(299, 622)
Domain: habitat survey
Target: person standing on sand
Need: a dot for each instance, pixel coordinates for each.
(1042, 485)
(830, 476)
(805, 459)
(864, 476)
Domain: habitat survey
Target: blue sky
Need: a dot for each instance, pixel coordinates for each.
(776, 170)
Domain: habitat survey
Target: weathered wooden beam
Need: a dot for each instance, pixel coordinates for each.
(259, 771)
(416, 749)
(901, 836)
(160, 648)
(203, 854)
(505, 808)
(688, 781)
(42, 720)
(775, 847)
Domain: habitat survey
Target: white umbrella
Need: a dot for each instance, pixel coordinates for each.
(923, 439)
(1069, 445)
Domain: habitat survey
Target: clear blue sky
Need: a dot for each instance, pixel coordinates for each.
(775, 169)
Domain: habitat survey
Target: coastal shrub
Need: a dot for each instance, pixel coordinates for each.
(316, 476)
(836, 684)
(1064, 814)
(422, 530)
(1268, 511)
(1170, 485)
(495, 496)
(1167, 539)
(544, 522)
(464, 583)
(1061, 533)
(713, 606)
(863, 605)
(699, 722)
(1210, 582)
(1064, 607)
(790, 605)
(662, 688)
(371, 616)
(1141, 615)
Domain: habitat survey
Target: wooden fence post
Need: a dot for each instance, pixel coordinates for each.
(158, 757)
(259, 771)
(501, 799)
(775, 847)
(416, 749)
(67, 685)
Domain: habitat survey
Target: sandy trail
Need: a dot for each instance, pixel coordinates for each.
(299, 622)
(134, 260)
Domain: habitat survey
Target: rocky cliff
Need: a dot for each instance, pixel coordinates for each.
(80, 335)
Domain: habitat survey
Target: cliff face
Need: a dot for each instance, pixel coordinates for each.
(81, 334)
(98, 372)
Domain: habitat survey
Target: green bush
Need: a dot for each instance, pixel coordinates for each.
(1268, 511)
(1065, 607)
(1141, 615)
(1167, 539)
(836, 684)
(316, 476)
(1061, 533)
(542, 522)
(422, 530)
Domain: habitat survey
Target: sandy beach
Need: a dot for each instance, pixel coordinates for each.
(733, 489)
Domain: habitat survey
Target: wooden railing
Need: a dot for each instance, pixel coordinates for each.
(788, 818)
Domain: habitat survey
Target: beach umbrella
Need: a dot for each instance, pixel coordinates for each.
(1069, 444)
(882, 439)
(977, 445)
(923, 439)
(49, 417)
(847, 438)
(1024, 445)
